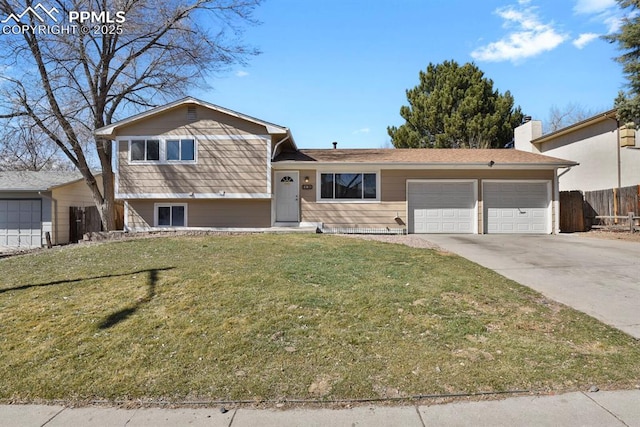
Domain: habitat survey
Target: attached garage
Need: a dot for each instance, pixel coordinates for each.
(517, 207)
(442, 206)
(20, 223)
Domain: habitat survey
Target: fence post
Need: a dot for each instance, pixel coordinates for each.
(632, 223)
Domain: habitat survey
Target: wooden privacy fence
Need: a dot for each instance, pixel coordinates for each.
(83, 220)
(581, 212)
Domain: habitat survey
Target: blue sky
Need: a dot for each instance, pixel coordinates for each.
(337, 70)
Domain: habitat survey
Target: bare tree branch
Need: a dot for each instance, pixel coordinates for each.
(69, 84)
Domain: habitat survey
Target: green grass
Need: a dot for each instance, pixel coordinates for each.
(254, 317)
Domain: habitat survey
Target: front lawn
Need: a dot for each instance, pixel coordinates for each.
(276, 317)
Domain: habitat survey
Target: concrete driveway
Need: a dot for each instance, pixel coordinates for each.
(596, 276)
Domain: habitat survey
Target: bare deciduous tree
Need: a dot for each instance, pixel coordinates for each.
(570, 114)
(127, 55)
(24, 147)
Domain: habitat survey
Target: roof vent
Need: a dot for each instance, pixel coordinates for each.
(335, 145)
(191, 113)
(526, 119)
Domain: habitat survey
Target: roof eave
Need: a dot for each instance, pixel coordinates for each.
(430, 165)
(109, 131)
(24, 190)
(607, 115)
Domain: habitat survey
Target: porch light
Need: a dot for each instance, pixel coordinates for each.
(306, 179)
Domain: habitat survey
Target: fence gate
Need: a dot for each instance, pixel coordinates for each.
(571, 212)
(83, 220)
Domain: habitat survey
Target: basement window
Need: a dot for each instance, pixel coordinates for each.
(171, 215)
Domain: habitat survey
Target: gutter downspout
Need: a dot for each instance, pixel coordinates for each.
(556, 195)
(275, 149)
(616, 196)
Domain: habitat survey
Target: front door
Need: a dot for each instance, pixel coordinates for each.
(287, 196)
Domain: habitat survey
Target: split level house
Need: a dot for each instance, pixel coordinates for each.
(192, 164)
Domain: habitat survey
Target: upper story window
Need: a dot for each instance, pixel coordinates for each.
(145, 150)
(162, 151)
(348, 186)
(181, 150)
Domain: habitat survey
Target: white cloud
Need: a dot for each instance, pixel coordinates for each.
(359, 131)
(241, 73)
(530, 37)
(593, 6)
(584, 39)
(613, 24)
(605, 12)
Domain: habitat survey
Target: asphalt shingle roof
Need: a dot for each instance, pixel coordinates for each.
(421, 155)
(35, 181)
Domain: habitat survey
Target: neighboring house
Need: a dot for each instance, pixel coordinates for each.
(194, 164)
(608, 153)
(34, 203)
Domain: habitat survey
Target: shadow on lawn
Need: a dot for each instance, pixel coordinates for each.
(60, 282)
(125, 313)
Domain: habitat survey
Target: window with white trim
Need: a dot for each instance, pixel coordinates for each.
(180, 150)
(171, 214)
(348, 186)
(145, 150)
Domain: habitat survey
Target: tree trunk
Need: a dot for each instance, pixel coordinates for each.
(107, 209)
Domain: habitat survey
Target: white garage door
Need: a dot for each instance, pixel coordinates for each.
(441, 206)
(20, 223)
(517, 207)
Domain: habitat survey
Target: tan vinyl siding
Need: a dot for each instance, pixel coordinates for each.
(345, 214)
(232, 166)
(394, 182)
(393, 194)
(354, 215)
(231, 155)
(76, 194)
(207, 213)
(208, 122)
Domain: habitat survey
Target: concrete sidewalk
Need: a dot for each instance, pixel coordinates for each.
(608, 408)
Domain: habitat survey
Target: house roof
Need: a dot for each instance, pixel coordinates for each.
(36, 181)
(110, 130)
(607, 115)
(425, 157)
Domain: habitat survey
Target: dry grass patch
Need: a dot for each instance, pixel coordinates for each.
(286, 316)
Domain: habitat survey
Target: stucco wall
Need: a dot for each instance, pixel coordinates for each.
(595, 147)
